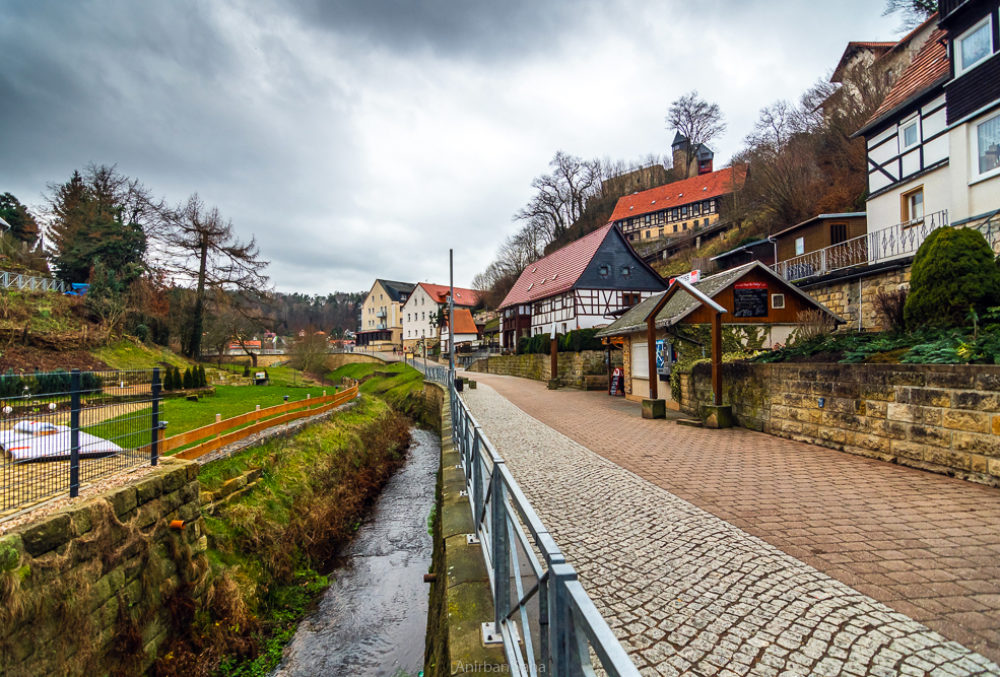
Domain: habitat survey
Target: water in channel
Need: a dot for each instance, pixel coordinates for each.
(372, 619)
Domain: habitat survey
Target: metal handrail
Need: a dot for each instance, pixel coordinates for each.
(901, 239)
(30, 282)
(527, 568)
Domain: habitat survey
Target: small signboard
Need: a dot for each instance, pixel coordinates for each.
(750, 299)
(617, 383)
(690, 277)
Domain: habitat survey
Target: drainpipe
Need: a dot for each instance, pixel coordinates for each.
(775, 244)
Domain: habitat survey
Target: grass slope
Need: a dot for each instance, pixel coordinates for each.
(129, 355)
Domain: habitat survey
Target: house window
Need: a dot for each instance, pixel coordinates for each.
(838, 233)
(910, 135)
(626, 271)
(974, 47)
(988, 142)
(661, 232)
(675, 227)
(647, 235)
(777, 301)
(912, 206)
(604, 271)
(696, 222)
(800, 246)
(629, 299)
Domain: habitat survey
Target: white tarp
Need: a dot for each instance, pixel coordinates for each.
(33, 440)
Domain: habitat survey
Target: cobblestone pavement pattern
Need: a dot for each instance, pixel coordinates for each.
(925, 544)
(689, 593)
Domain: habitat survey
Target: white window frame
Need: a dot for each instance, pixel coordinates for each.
(777, 301)
(974, 149)
(915, 124)
(640, 360)
(960, 69)
(800, 246)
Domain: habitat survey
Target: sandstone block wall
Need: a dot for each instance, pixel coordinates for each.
(585, 370)
(944, 418)
(89, 589)
(852, 298)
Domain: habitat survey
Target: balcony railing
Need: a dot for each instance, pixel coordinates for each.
(902, 239)
(380, 313)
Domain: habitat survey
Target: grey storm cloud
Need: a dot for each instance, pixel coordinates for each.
(364, 139)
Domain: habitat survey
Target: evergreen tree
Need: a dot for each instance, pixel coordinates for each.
(23, 226)
(202, 378)
(178, 381)
(168, 379)
(188, 379)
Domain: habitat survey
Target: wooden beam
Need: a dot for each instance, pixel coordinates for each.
(554, 357)
(651, 354)
(717, 358)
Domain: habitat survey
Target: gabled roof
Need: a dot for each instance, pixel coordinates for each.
(396, 289)
(929, 69)
(686, 191)
(742, 247)
(464, 324)
(556, 272)
(682, 304)
(853, 47)
(439, 292)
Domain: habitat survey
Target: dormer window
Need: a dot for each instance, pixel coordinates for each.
(626, 271)
(974, 46)
(604, 270)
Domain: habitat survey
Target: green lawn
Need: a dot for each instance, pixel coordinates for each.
(183, 415)
(406, 378)
(128, 355)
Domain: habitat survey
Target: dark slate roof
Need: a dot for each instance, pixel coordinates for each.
(748, 245)
(396, 289)
(682, 303)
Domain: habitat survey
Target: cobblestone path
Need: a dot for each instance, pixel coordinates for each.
(689, 593)
(925, 544)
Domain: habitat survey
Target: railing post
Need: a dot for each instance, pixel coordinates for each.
(477, 478)
(74, 433)
(154, 446)
(563, 651)
(500, 548)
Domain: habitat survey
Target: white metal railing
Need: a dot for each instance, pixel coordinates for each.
(902, 239)
(20, 281)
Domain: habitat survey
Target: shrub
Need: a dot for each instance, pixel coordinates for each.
(889, 306)
(954, 272)
(574, 342)
(11, 384)
(202, 378)
(168, 379)
(178, 381)
(188, 379)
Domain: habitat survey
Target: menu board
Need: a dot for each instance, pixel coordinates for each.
(750, 299)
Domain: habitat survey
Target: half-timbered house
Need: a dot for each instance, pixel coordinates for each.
(585, 284)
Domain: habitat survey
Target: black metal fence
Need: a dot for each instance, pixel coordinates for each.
(64, 429)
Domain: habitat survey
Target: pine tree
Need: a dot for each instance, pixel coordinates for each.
(23, 226)
(168, 379)
(202, 378)
(188, 379)
(178, 381)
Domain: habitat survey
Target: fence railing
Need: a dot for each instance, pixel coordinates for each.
(61, 430)
(10, 280)
(548, 623)
(432, 372)
(902, 239)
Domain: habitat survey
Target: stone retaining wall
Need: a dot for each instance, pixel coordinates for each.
(852, 298)
(944, 418)
(585, 370)
(88, 589)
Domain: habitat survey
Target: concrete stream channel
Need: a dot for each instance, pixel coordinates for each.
(372, 618)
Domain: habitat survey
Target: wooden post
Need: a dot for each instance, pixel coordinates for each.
(554, 354)
(651, 351)
(717, 357)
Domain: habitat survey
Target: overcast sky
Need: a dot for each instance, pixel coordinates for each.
(363, 139)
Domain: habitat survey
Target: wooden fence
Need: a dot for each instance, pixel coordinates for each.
(214, 435)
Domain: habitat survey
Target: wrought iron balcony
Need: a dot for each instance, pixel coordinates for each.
(381, 314)
(898, 241)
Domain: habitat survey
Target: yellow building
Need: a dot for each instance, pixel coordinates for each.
(381, 314)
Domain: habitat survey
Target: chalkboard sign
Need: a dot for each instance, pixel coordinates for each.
(750, 299)
(617, 383)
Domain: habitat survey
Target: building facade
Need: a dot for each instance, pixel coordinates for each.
(677, 208)
(381, 316)
(585, 284)
(421, 311)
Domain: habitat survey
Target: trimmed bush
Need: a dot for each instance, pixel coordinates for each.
(202, 378)
(571, 342)
(954, 272)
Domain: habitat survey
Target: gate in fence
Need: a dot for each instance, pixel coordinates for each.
(548, 623)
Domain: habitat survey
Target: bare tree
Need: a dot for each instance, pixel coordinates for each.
(202, 248)
(914, 11)
(561, 196)
(697, 119)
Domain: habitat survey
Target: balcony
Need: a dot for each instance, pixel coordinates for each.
(380, 325)
(898, 241)
(380, 314)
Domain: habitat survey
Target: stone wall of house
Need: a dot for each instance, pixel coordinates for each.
(586, 369)
(852, 298)
(944, 418)
(94, 587)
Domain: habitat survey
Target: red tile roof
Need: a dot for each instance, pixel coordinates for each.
(678, 193)
(464, 324)
(439, 292)
(558, 271)
(927, 69)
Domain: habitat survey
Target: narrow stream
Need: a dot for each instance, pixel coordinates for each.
(372, 619)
